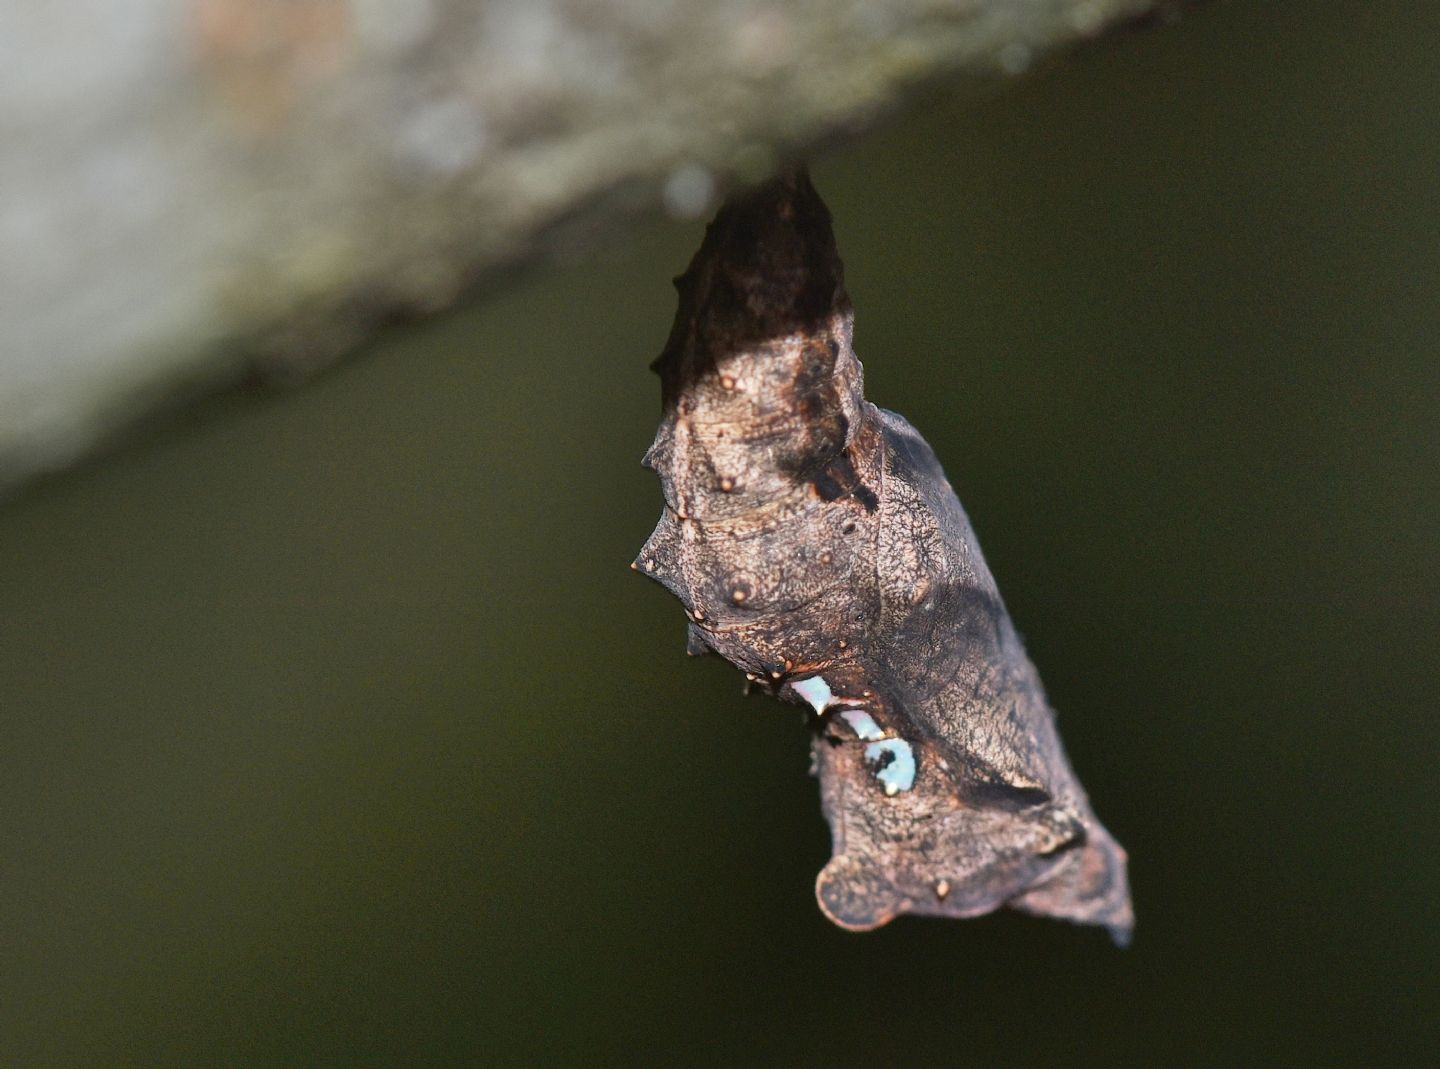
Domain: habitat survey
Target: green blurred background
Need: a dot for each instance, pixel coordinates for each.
(336, 730)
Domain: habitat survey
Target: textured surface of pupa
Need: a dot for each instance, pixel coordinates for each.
(816, 544)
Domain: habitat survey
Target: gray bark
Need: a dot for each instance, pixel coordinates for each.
(193, 190)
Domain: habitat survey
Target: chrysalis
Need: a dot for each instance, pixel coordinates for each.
(816, 544)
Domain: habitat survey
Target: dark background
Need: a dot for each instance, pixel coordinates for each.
(335, 730)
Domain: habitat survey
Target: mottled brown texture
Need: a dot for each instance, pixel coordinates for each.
(808, 533)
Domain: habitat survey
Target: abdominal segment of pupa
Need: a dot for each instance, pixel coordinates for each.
(816, 544)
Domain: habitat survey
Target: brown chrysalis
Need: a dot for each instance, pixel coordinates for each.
(816, 544)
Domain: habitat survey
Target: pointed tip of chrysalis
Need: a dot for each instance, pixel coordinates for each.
(1091, 886)
(769, 262)
(767, 268)
(1121, 935)
(762, 327)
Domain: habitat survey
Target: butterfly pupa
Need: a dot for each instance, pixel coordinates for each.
(816, 545)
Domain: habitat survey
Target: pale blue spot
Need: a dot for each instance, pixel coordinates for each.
(898, 773)
(862, 723)
(814, 690)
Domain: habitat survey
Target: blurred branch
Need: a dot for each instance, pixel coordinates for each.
(207, 188)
